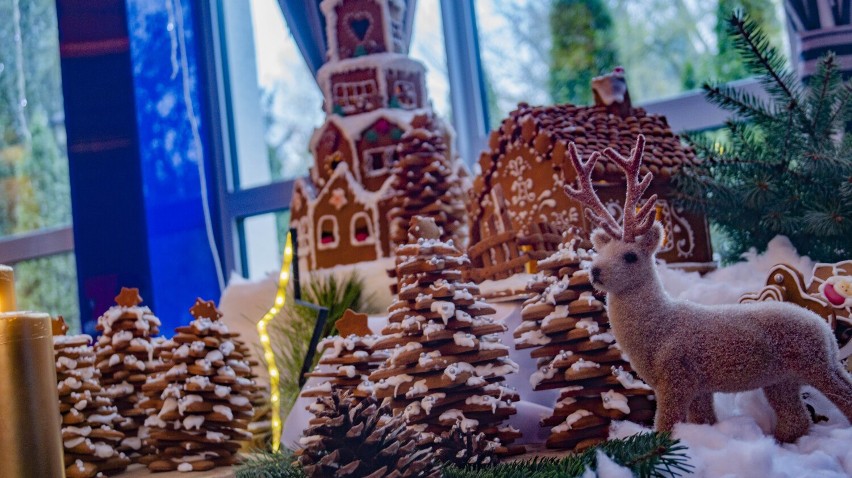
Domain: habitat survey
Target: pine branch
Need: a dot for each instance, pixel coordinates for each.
(745, 105)
(646, 455)
(759, 53)
(269, 465)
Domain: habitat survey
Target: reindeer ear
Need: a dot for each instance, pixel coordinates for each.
(650, 241)
(600, 238)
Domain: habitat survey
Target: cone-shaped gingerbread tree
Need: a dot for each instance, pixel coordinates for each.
(125, 358)
(260, 425)
(88, 417)
(446, 360)
(426, 184)
(347, 359)
(568, 325)
(205, 397)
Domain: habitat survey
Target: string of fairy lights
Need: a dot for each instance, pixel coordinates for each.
(268, 355)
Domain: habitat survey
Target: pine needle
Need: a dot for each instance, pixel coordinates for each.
(646, 455)
(269, 465)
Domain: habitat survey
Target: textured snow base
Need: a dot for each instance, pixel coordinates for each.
(741, 443)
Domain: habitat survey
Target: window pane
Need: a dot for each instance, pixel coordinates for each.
(427, 45)
(264, 240)
(34, 189)
(545, 52)
(276, 104)
(49, 284)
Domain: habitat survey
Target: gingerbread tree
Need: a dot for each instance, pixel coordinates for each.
(89, 419)
(260, 425)
(425, 184)
(347, 359)
(446, 361)
(566, 326)
(126, 356)
(205, 395)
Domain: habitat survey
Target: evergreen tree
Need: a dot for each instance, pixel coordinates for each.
(728, 65)
(583, 48)
(786, 166)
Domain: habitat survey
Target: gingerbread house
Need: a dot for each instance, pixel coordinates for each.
(372, 92)
(527, 163)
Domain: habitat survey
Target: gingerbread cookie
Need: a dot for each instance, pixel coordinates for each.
(89, 420)
(565, 325)
(445, 362)
(202, 402)
(126, 354)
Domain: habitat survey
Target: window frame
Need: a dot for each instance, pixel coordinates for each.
(36, 244)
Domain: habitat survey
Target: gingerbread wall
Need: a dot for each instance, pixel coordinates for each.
(343, 225)
(360, 28)
(355, 91)
(405, 88)
(331, 146)
(377, 149)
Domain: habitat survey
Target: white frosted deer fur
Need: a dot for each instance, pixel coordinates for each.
(688, 351)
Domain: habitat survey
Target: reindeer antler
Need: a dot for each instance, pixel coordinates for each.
(637, 220)
(585, 192)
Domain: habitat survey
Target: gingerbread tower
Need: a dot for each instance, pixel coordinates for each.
(446, 361)
(567, 327)
(125, 358)
(89, 419)
(372, 93)
(206, 397)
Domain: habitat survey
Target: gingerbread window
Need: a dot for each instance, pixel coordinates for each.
(355, 95)
(328, 233)
(378, 161)
(405, 94)
(361, 229)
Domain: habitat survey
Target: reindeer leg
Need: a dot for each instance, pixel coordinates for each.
(836, 385)
(701, 410)
(793, 420)
(672, 408)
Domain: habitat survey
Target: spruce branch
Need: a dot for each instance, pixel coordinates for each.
(646, 455)
(267, 464)
(779, 169)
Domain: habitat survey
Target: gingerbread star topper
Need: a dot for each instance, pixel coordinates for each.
(205, 309)
(128, 297)
(58, 325)
(353, 323)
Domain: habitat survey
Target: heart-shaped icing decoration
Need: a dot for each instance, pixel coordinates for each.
(359, 27)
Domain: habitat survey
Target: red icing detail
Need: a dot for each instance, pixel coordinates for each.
(327, 239)
(382, 126)
(361, 236)
(833, 297)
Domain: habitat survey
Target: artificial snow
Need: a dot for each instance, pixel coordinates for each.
(739, 445)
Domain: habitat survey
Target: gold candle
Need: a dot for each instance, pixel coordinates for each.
(30, 437)
(7, 289)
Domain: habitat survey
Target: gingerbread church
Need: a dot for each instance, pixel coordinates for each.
(372, 93)
(519, 208)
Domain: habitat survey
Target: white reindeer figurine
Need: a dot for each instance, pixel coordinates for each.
(688, 351)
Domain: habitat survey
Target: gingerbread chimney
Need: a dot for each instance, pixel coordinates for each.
(610, 91)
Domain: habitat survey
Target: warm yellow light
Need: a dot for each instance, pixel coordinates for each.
(269, 356)
(7, 289)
